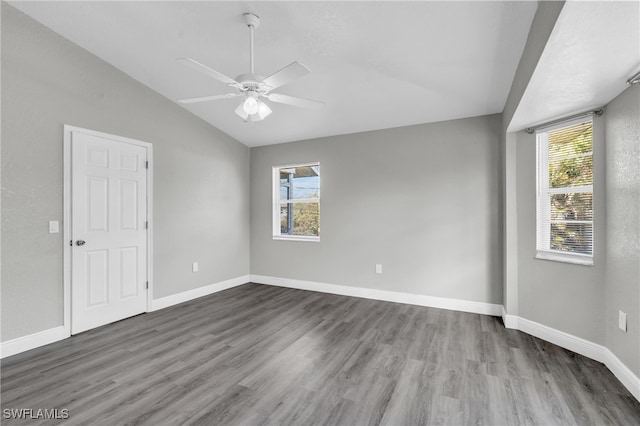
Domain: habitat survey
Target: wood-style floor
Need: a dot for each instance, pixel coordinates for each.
(267, 355)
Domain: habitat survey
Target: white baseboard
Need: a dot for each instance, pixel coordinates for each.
(623, 373)
(185, 296)
(384, 295)
(32, 341)
(578, 345)
(568, 341)
(565, 340)
(41, 338)
(560, 338)
(509, 321)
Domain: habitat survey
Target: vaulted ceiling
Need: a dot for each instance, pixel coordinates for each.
(375, 64)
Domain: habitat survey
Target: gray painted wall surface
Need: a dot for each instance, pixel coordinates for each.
(587, 305)
(541, 28)
(201, 191)
(369, 180)
(622, 120)
(563, 296)
(420, 200)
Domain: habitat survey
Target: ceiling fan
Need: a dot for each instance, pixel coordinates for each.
(254, 87)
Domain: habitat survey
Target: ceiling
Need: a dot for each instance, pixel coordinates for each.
(375, 64)
(592, 51)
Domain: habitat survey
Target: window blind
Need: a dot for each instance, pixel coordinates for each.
(565, 189)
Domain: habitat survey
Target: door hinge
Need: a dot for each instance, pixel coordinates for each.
(146, 225)
(71, 243)
(146, 164)
(147, 285)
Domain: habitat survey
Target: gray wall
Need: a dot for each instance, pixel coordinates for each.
(543, 23)
(623, 226)
(583, 301)
(201, 181)
(397, 197)
(563, 296)
(421, 200)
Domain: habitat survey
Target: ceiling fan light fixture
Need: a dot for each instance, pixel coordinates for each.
(241, 112)
(250, 105)
(262, 111)
(253, 87)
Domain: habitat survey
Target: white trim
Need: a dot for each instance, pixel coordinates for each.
(623, 373)
(509, 321)
(45, 337)
(297, 238)
(568, 122)
(66, 229)
(565, 340)
(276, 203)
(150, 163)
(32, 341)
(578, 345)
(66, 221)
(556, 256)
(185, 296)
(544, 192)
(560, 338)
(384, 295)
(299, 201)
(569, 190)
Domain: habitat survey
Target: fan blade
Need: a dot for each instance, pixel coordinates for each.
(208, 71)
(209, 98)
(292, 100)
(287, 74)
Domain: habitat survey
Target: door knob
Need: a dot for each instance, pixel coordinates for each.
(80, 242)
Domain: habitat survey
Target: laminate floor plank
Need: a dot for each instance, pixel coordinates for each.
(263, 355)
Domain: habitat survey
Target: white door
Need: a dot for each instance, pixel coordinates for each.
(108, 230)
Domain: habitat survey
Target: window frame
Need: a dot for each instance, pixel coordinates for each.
(277, 202)
(543, 192)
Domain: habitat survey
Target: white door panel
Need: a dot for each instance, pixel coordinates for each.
(109, 211)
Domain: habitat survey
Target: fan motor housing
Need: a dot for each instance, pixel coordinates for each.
(250, 81)
(251, 85)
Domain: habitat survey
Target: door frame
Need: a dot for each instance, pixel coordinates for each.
(67, 207)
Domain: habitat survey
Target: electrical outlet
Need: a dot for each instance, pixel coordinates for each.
(622, 321)
(54, 226)
(194, 267)
(378, 268)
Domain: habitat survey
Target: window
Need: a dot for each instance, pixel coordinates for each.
(296, 202)
(565, 193)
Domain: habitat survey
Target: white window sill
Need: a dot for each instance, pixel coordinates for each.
(296, 238)
(576, 259)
